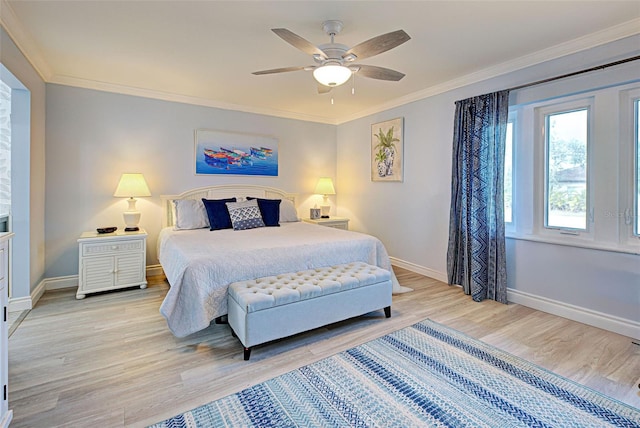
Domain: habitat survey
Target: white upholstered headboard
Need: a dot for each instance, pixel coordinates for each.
(239, 191)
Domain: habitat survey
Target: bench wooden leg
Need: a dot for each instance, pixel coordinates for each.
(247, 353)
(387, 312)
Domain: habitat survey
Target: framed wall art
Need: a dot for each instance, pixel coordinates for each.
(387, 143)
(231, 153)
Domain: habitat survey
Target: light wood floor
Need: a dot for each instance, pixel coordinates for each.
(110, 361)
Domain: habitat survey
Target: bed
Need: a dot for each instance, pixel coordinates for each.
(200, 264)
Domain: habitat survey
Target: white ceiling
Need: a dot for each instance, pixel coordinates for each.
(203, 52)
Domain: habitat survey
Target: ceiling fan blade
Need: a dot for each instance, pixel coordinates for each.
(324, 89)
(278, 70)
(379, 73)
(298, 42)
(378, 44)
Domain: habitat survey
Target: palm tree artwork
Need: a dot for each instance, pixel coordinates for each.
(386, 152)
(386, 155)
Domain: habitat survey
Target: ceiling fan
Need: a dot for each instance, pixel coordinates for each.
(336, 62)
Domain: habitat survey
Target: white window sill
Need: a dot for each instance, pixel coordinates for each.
(631, 248)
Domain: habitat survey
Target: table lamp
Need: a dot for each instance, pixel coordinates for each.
(325, 188)
(132, 186)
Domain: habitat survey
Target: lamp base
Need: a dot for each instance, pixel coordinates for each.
(131, 220)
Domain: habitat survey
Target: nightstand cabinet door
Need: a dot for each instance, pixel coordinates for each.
(128, 270)
(97, 273)
(111, 261)
(104, 273)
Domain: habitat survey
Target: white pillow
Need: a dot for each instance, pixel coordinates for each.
(288, 211)
(245, 215)
(190, 214)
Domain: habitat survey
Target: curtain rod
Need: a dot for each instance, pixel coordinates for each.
(575, 73)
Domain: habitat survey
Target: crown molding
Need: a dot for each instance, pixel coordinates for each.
(611, 34)
(23, 40)
(185, 99)
(30, 50)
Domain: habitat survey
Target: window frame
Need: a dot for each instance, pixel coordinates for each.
(5, 156)
(629, 201)
(613, 163)
(510, 226)
(542, 112)
(635, 187)
(631, 212)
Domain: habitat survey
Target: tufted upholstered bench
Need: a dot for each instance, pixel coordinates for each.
(273, 307)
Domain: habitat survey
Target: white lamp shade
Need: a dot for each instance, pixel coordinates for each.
(325, 187)
(332, 74)
(131, 186)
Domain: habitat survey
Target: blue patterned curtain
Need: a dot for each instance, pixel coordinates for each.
(476, 254)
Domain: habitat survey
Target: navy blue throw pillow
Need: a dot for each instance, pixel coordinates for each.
(218, 213)
(270, 210)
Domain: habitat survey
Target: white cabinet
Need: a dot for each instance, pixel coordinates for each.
(335, 222)
(5, 413)
(111, 261)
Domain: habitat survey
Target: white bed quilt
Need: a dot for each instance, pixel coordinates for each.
(200, 264)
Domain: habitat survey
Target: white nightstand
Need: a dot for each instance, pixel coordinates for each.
(111, 260)
(335, 222)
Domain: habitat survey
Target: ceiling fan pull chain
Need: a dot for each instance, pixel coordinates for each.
(353, 83)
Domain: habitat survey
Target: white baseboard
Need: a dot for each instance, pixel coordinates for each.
(20, 304)
(154, 270)
(587, 316)
(6, 419)
(601, 320)
(71, 281)
(419, 269)
(61, 282)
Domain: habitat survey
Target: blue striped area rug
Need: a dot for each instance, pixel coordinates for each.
(426, 375)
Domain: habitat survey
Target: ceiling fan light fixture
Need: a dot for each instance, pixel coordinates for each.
(332, 74)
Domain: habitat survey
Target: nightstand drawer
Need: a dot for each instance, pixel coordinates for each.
(337, 225)
(114, 247)
(334, 222)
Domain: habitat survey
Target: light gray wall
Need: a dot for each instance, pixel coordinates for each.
(602, 281)
(412, 218)
(408, 217)
(28, 175)
(93, 137)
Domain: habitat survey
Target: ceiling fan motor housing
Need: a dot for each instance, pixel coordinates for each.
(332, 27)
(334, 52)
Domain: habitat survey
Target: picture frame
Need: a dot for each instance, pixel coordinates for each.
(219, 152)
(387, 150)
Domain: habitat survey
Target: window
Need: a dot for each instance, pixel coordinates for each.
(5, 153)
(636, 181)
(508, 174)
(576, 168)
(566, 163)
